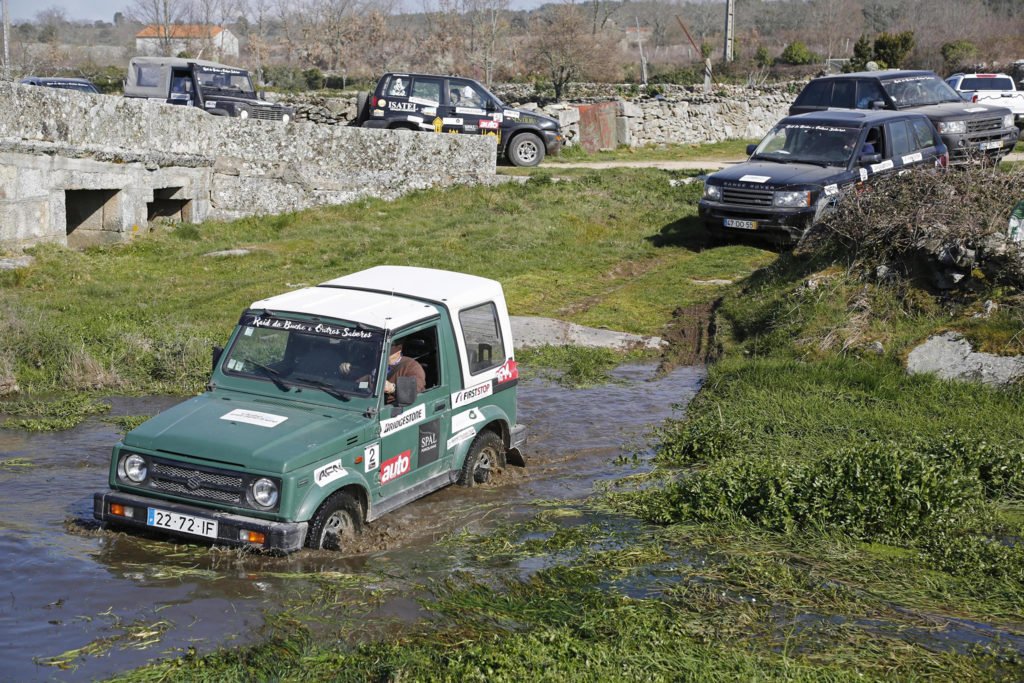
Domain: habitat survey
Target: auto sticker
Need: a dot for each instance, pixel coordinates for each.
(430, 436)
(831, 189)
(424, 102)
(474, 393)
(463, 436)
(395, 467)
(328, 473)
(882, 166)
(406, 419)
(371, 456)
(911, 158)
(470, 110)
(863, 173)
(755, 179)
(254, 418)
(403, 106)
(489, 125)
(467, 418)
(448, 121)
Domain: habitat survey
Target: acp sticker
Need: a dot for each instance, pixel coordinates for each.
(395, 467)
(466, 418)
(883, 166)
(371, 457)
(912, 158)
(328, 473)
(450, 121)
(462, 437)
(406, 419)
(254, 418)
(831, 190)
(474, 393)
(755, 179)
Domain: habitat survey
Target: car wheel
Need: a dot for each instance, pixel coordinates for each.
(485, 456)
(338, 521)
(526, 150)
(362, 107)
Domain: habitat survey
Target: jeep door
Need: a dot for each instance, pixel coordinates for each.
(412, 439)
(473, 106)
(914, 143)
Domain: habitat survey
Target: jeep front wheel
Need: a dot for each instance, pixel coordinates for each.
(526, 150)
(485, 456)
(337, 522)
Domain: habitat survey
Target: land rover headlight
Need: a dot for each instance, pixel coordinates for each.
(792, 199)
(264, 492)
(952, 127)
(1008, 121)
(712, 192)
(133, 468)
(243, 113)
(286, 118)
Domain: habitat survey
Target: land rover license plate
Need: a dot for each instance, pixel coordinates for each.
(994, 144)
(174, 521)
(743, 225)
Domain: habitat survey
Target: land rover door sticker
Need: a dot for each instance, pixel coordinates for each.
(430, 435)
(371, 457)
(254, 418)
(328, 473)
(406, 419)
(472, 394)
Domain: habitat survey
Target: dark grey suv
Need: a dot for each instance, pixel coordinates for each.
(967, 128)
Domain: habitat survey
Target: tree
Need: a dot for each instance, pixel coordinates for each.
(160, 13)
(861, 55)
(762, 58)
(892, 48)
(956, 53)
(563, 46)
(796, 53)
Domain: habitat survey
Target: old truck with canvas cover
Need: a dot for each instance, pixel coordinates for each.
(329, 407)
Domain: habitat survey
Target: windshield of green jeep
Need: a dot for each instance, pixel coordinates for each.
(919, 91)
(338, 359)
(225, 81)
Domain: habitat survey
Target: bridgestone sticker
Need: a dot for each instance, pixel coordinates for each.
(371, 457)
(467, 396)
(831, 190)
(254, 418)
(328, 473)
(755, 179)
(406, 419)
(466, 419)
(884, 166)
(462, 437)
(912, 158)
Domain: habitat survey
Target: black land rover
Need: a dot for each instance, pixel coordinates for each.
(448, 104)
(967, 128)
(799, 170)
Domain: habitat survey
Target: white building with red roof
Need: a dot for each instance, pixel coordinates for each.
(208, 42)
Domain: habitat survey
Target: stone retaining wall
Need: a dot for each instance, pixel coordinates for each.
(83, 169)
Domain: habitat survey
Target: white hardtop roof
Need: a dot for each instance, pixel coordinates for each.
(382, 296)
(454, 290)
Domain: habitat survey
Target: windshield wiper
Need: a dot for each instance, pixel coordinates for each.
(326, 387)
(273, 374)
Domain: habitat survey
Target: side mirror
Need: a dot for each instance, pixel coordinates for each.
(878, 104)
(870, 158)
(750, 149)
(405, 391)
(217, 351)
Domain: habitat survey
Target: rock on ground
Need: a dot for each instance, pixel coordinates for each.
(531, 332)
(950, 356)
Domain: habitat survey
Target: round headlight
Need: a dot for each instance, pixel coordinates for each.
(264, 492)
(286, 118)
(135, 468)
(243, 114)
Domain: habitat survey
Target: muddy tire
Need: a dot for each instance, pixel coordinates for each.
(336, 524)
(362, 107)
(485, 456)
(526, 150)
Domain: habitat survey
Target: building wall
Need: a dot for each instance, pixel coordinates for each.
(83, 169)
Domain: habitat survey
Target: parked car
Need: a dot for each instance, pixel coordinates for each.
(966, 128)
(216, 88)
(449, 104)
(79, 84)
(301, 438)
(795, 175)
(998, 89)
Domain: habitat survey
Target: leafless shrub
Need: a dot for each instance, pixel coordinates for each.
(85, 372)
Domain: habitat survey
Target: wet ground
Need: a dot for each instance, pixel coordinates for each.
(77, 602)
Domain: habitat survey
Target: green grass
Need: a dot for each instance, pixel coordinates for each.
(728, 149)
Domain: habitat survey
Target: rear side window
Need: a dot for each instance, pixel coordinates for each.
(815, 94)
(427, 90)
(924, 135)
(398, 87)
(147, 76)
(843, 94)
(900, 138)
(986, 84)
(868, 92)
(482, 335)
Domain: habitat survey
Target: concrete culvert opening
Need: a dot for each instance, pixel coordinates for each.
(168, 206)
(92, 216)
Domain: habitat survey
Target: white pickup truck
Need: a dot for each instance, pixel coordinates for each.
(999, 88)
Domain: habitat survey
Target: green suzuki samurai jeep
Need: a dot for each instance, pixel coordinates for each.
(305, 432)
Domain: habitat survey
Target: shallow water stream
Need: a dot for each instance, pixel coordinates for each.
(126, 599)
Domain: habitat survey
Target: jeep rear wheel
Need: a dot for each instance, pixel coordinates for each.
(336, 523)
(526, 150)
(485, 456)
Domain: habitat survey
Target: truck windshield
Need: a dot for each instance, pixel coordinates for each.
(338, 359)
(810, 144)
(919, 91)
(227, 81)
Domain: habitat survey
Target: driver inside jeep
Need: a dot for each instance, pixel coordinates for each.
(398, 366)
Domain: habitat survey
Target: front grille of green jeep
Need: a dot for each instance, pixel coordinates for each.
(199, 484)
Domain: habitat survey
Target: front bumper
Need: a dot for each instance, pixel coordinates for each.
(778, 225)
(997, 143)
(282, 537)
(552, 141)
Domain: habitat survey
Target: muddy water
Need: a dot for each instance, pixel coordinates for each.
(121, 600)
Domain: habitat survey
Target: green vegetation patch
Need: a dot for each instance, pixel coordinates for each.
(56, 415)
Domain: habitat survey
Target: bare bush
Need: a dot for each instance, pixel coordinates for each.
(85, 372)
